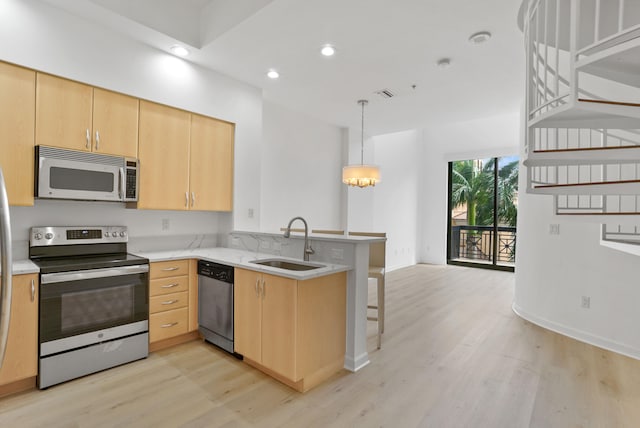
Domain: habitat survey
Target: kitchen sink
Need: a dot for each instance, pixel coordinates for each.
(286, 264)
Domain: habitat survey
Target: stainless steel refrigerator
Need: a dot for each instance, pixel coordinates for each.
(5, 267)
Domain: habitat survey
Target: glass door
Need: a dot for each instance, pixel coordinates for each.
(483, 195)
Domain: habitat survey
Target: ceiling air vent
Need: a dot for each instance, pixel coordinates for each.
(385, 93)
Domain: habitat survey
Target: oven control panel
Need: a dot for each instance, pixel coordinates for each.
(64, 235)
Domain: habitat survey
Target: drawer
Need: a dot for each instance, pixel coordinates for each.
(165, 325)
(168, 285)
(168, 268)
(167, 302)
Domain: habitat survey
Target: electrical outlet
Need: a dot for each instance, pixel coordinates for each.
(250, 213)
(165, 224)
(554, 229)
(337, 253)
(585, 302)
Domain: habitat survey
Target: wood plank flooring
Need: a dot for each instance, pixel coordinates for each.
(453, 355)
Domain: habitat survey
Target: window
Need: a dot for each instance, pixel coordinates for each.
(482, 227)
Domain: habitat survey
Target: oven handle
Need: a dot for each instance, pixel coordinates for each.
(50, 278)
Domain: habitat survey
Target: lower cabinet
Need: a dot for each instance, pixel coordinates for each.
(292, 330)
(21, 356)
(170, 310)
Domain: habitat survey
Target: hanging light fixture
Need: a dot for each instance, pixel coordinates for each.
(361, 175)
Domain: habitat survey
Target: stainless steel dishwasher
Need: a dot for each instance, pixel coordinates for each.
(215, 304)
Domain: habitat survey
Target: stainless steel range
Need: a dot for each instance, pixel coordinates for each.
(94, 301)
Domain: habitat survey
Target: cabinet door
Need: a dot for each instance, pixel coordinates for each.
(211, 164)
(63, 113)
(247, 314)
(115, 123)
(21, 357)
(163, 151)
(279, 315)
(17, 122)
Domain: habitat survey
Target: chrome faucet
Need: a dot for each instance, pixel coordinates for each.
(307, 246)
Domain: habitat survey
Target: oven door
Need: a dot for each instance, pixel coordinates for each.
(76, 179)
(90, 306)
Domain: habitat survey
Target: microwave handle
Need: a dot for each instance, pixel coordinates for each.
(122, 184)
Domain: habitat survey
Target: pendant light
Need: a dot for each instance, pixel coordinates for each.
(361, 175)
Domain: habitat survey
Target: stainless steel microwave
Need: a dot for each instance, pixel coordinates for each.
(70, 174)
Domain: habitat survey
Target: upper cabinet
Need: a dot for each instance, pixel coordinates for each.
(17, 119)
(186, 160)
(75, 116)
(211, 164)
(163, 151)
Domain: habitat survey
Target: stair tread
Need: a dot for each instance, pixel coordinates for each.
(608, 102)
(587, 149)
(593, 183)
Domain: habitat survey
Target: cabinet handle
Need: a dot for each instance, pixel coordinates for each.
(33, 290)
(258, 287)
(169, 302)
(88, 136)
(97, 140)
(169, 269)
(264, 289)
(171, 324)
(186, 199)
(193, 199)
(175, 284)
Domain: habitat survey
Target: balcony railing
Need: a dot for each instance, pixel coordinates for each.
(477, 244)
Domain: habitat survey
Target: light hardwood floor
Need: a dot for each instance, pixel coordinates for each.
(453, 355)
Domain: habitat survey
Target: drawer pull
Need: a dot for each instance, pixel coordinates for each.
(171, 324)
(175, 284)
(169, 269)
(170, 302)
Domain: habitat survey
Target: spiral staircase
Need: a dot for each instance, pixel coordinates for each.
(582, 142)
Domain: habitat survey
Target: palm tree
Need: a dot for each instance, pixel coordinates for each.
(471, 185)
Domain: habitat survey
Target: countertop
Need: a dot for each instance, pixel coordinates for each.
(227, 256)
(25, 266)
(316, 236)
(241, 259)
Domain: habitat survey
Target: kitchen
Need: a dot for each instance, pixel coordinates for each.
(286, 163)
(153, 229)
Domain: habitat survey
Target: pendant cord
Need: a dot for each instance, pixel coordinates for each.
(363, 103)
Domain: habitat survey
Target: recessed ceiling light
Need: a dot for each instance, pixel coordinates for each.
(480, 37)
(179, 50)
(328, 50)
(444, 63)
(272, 74)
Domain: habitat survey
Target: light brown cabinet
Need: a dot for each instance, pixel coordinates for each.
(293, 330)
(17, 122)
(21, 357)
(163, 152)
(170, 308)
(211, 164)
(76, 116)
(186, 160)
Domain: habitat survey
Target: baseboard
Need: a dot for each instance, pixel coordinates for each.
(173, 341)
(355, 364)
(18, 386)
(579, 335)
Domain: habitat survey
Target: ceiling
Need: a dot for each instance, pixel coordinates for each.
(380, 44)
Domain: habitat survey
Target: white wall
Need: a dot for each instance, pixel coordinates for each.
(42, 37)
(395, 204)
(301, 170)
(553, 272)
(493, 136)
